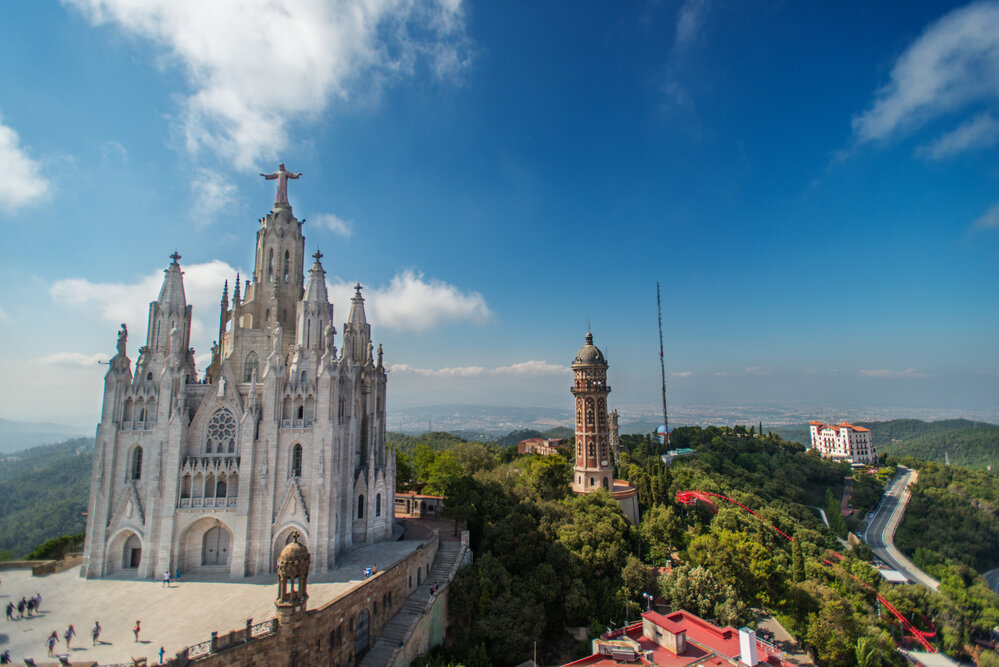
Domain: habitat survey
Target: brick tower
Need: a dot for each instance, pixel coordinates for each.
(594, 463)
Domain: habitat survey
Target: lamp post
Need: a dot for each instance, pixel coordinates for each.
(648, 601)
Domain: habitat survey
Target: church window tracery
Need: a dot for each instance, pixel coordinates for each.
(378, 504)
(220, 437)
(360, 506)
(136, 468)
(270, 265)
(287, 262)
(252, 364)
(296, 461)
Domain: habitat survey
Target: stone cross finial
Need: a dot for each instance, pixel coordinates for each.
(294, 536)
(357, 288)
(175, 256)
(318, 255)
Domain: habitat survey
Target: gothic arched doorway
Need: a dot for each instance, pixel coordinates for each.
(132, 553)
(215, 547)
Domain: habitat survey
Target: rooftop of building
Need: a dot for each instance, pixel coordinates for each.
(175, 617)
(623, 489)
(707, 644)
(837, 427)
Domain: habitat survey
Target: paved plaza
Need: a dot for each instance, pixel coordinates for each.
(175, 617)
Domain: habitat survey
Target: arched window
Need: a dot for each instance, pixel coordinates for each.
(360, 507)
(252, 364)
(270, 264)
(220, 436)
(305, 377)
(296, 461)
(149, 376)
(220, 488)
(136, 463)
(301, 412)
(287, 260)
(378, 504)
(605, 482)
(267, 316)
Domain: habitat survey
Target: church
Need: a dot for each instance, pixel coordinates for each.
(282, 432)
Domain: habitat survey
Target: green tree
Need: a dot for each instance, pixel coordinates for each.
(696, 589)
(833, 632)
(797, 562)
(404, 475)
(875, 650)
(663, 531)
(597, 533)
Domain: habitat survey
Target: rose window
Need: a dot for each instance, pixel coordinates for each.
(221, 437)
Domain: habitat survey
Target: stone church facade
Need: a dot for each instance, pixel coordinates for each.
(283, 432)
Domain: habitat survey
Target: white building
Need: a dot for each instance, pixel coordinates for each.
(844, 442)
(283, 433)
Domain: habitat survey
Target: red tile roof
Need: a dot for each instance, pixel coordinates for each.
(707, 644)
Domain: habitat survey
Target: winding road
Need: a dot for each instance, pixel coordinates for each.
(992, 577)
(880, 531)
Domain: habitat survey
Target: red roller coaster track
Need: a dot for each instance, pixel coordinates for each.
(691, 497)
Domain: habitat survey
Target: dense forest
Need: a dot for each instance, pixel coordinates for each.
(963, 442)
(43, 494)
(547, 560)
(951, 525)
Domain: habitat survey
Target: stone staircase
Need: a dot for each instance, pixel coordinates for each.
(397, 631)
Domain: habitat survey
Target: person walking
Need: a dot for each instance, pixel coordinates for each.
(10, 611)
(52, 641)
(38, 602)
(162, 651)
(95, 634)
(20, 608)
(166, 579)
(137, 629)
(69, 634)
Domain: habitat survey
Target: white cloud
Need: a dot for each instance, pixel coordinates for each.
(953, 64)
(22, 181)
(338, 226)
(114, 149)
(681, 374)
(411, 302)
(523, 368)
(980, 132)
(212, 193)
(73, 359)
(690, 20)
(889, 373)
(255, 67)
(989, 219)
(114, 303)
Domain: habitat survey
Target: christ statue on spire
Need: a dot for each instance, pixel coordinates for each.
(282, 175)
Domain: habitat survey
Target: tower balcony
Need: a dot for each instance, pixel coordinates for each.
(590, 388)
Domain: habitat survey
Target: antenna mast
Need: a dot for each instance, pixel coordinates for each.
(662, 365)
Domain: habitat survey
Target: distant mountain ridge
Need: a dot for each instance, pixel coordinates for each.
(15, 435)
(972, 444)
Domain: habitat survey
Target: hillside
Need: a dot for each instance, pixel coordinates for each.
(43, 494)
(547, 559)
(966, 443)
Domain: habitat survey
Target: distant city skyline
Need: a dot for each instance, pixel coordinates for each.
(815, 187)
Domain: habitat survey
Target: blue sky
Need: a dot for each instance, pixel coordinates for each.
(815, 186)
